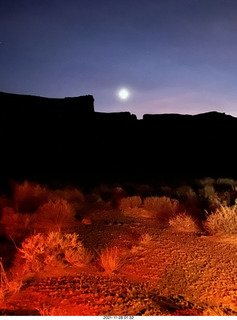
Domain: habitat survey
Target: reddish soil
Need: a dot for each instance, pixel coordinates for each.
(173, 273)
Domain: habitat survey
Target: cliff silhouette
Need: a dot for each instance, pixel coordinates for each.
(66, 140)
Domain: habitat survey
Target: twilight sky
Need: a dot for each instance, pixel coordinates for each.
(174, 56)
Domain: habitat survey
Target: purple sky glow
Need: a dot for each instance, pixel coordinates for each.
(174, 56)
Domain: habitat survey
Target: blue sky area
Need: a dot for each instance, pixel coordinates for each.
(174, 56)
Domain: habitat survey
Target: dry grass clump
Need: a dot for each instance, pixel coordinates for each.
(183, 223)
(7, 286)
(54, 249)
(222, 221)
(111, 259)
(162, 207)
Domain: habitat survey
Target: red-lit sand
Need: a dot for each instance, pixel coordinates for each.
(165, 273)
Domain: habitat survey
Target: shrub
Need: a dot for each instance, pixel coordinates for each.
(186, 193)
(28, 196)
(110, 259)
(132, 207)
(222, 221)
(72, 195)
(162, 207)
(15, 225)
(183, 223)
(53, 249)
(54, 215)
(130, 203)
(7, 286)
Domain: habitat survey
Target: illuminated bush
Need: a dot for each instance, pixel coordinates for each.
(28, 196)
(162, 207)
(8, 286)
(132, 207)
(183, 223)
(54, 215)
(130, 203)
(222, 221)
(53, 249)
(51, 216)
(110, 259)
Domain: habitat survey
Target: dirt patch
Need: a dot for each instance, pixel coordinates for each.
(163, 273)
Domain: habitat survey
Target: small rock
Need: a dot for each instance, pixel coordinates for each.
(86, 221)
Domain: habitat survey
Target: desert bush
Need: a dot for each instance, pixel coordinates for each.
(183, 223)
(8, 286)
(162, 207)
(53, 249)
(54, 215)
(72, 195)
(110, 259)
(214, 202)
(15, 225)
(28, 196)
(210, 197)
(222, 221)
(186, 194)
(130, 203)
(208, 191)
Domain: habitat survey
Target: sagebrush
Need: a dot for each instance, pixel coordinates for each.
(54, 215)
(162, 207)
(28, 196)
(130, 203)
(222, 221)
(15, 225)
(53, 249)
(184, 223)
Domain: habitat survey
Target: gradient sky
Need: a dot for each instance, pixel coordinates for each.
(175, 56)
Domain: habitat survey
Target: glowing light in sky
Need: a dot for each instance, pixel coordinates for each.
(123, 94)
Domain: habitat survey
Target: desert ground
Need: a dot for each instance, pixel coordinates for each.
(118, 251)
